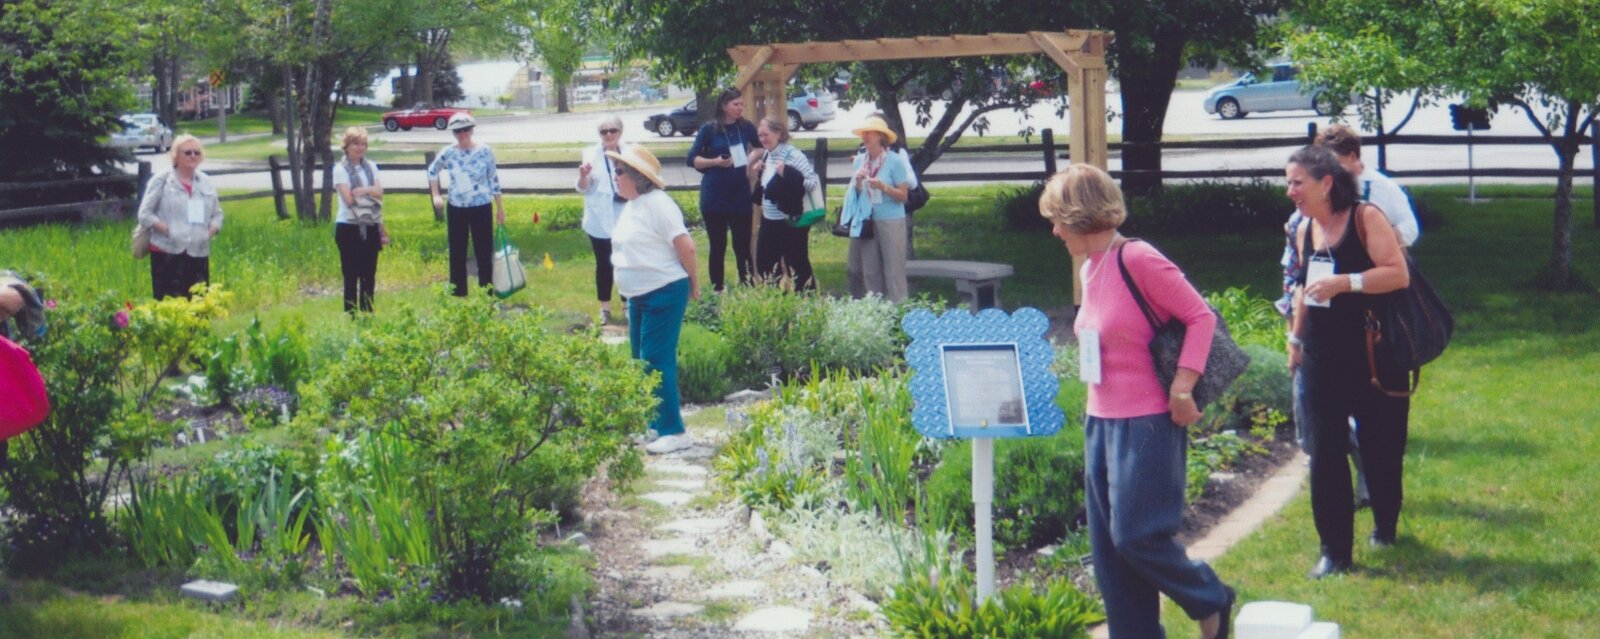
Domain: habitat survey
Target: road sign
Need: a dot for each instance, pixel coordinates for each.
(1465, 118)
(216, 78)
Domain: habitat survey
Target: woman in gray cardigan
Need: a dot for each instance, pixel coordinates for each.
(183, 213)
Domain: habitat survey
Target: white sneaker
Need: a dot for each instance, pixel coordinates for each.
(668, 444)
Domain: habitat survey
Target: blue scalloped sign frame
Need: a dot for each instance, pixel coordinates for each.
(995, 336)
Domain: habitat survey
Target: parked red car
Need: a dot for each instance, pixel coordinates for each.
(423, 114)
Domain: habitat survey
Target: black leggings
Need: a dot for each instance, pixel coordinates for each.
(602, 268)
(172, 275)
(476, 221)
(717, 227)
(358, 261)
(783, 251)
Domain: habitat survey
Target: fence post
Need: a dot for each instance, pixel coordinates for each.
(1311, 133)
(144, 179)
(427, 161)
(274, 167)
(1594, 150)
(819, 161)
(325, 206)
(1048, 138)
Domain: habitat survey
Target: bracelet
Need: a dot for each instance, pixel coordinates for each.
(1355, 282)
(1294, 340)
(1183, 396)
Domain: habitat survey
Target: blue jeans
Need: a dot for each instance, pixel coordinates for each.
(654, 321)
(1135, 474)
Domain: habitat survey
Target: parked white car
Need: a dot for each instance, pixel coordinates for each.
(1278, 89)
(141, 130)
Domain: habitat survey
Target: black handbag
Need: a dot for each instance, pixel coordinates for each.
(916, 198)
(1405, 329)
(1225, 363)
(840, 229)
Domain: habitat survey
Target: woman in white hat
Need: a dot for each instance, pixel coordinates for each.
(597, 181)
(876, 198)
(654, 259)
(474, 183)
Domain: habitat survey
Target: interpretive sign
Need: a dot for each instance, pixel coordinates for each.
(984, 375)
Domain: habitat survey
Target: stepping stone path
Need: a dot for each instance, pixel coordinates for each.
(701, 571)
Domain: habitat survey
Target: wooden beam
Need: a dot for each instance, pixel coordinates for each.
(1053, 49)
(912, 48)
(751, 66)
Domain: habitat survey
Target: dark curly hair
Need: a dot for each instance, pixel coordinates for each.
(1320, 162)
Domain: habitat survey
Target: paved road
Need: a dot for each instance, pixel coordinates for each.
(1185, 118)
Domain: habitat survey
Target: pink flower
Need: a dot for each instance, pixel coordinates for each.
(120, 320)
(50, 304)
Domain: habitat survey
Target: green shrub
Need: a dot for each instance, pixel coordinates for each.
(1038, 488)
(1020, 206)
(704, 360)
(705, 311)
(937, 608)
(770, 330)
(498, 410)
(1251, 320)
(860, 335)
(103, 362)
(372, 521)
(562, 216)
(1207, 207)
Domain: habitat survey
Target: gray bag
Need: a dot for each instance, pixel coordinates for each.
(368, 210)
(1225, 363)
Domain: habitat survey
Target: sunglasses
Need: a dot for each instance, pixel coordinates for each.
(193, 153)
(466, 130)
(610, 131)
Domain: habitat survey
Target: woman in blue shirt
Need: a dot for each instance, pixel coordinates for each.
(474, 183)
(720, 153)
(879, 184)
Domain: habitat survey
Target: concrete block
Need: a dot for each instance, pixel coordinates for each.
(1272, 620)
(212, 591)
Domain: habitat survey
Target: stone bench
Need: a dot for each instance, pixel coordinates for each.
(977, 283)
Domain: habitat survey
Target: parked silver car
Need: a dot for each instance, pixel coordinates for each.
(141, 130)
(1278, 89)
(809, 107)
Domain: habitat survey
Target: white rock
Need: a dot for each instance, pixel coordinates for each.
(758, 527)
(662, 547)
(775, 619)
(780, 550)
(578, 539)
(668, 610)
(1047, 551)
(668, 573)
(746, 396)
(213, 591)
(1220, 476)
(686, 485)
(696, 526)
(669, 498)
(678, 468)
(735, 590)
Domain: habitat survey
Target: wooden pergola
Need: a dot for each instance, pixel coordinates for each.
(764, 70)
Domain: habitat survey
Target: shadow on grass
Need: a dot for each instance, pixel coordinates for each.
(1493, 446)
(1420, 562)
(1491, 515)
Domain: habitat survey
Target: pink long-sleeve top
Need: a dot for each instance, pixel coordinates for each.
(1128, 385)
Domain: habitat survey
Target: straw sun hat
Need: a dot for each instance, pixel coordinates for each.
(877, 124)
(642, 160)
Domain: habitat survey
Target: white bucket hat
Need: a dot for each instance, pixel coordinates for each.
(461, 121)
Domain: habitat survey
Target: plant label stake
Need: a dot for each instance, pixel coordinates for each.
(982, 377)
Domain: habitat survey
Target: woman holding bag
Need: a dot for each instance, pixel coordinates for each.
(359, 231)
(782, 250)
(1341, 268)
(879, 185)
(474, 185)
(182, 212)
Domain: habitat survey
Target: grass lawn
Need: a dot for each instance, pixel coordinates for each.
(1494, 541)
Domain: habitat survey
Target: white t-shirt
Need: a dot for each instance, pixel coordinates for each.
(642, 253)
(342, 176)
(600, 210)
(1378, 189)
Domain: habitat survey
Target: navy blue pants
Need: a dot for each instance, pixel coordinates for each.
(1135, 475)
(476, 222)
(654, 321)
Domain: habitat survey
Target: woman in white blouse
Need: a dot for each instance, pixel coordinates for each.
(597, 181)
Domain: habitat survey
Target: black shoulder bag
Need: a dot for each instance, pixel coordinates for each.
(1225, 363)
(1405, 329)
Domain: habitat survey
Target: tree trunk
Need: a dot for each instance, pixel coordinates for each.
(275, 111)
(422, 79)
(1561, 244)
(705, 101)
(562, 105)
(1147, 78)
(402, 88)
(291, 113)
(315, 119)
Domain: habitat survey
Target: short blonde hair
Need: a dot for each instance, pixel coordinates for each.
(177, 147)
(353, 134)
(1083, 198)
(773, 125)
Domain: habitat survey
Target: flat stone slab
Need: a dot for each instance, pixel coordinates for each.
(668, 573)
(698, 526)
(213, 591)
(678, 468)
(668, 610)
(692, 485)
(735, 590)
(958, 269)
(657, 548)
(669, 498)
(613, 339)
(775, 619)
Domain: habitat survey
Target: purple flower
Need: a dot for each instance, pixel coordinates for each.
(120, 320)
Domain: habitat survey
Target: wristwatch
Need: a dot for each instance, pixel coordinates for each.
(1355, 282)
(1183, 395)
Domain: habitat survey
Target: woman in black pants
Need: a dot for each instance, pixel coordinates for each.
(183, 212)
(597, 181)
(1342, 270)
(721, 152)
(358, 232)
(474, 182)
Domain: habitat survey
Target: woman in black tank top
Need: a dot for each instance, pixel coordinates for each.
(1339, 279)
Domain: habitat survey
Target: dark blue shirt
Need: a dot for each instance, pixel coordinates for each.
(723, 190)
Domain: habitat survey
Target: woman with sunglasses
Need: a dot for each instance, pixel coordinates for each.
(183, 213)
(597, 181)
(474, 183)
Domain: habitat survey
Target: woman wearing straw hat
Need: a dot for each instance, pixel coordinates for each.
(876, 197)
(654, 260)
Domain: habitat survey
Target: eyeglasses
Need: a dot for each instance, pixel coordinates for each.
(610, 131)
(460, 131)
(193, 153)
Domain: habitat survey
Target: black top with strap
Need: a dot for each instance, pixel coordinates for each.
(1338, 327)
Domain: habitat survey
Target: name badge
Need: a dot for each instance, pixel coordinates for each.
(1319, 268)
(1089, 356)
(740, 156)
(197, 211)
(874, 196)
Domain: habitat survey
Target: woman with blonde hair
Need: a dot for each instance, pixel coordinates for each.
(183, 213)
(782, 251)
(1135, 437)
(597, 181)
(359, 231)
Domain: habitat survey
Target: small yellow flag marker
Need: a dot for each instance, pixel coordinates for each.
(549, 264)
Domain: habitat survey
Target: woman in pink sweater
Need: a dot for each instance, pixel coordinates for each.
(1134, 434)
